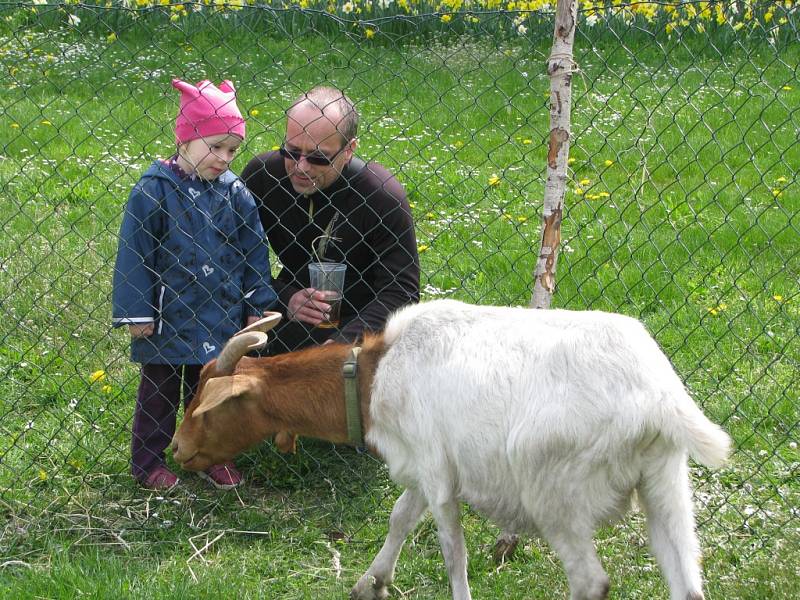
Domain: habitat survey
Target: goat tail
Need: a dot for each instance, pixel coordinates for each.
(707, 443)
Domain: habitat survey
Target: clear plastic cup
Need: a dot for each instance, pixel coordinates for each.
(328, 277)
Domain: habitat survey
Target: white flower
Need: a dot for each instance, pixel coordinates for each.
(385, 3)
(521, 29)
(74, 20)
(347, 8)
(591, 20)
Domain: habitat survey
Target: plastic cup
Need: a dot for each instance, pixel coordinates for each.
(328, 277)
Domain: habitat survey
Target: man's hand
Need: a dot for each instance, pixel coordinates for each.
(308, 306)
(252, 319)
(140, 331)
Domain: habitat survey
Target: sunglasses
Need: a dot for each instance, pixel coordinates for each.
(315, 158)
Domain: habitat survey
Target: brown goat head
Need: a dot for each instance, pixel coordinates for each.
(224, 417)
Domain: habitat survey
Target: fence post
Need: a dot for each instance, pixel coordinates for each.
(560, 67)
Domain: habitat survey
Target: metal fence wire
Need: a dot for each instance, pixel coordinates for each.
(681, 209)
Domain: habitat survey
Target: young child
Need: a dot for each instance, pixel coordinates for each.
(192, 269)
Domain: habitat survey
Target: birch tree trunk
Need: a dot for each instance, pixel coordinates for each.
(560, 68)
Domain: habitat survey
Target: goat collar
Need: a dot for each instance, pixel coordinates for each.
(351, 401)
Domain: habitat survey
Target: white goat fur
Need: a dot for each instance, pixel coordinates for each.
(543, 421)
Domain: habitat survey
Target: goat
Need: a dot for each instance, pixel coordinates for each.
(544, 421)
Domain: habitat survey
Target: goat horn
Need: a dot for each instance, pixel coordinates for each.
(270, 320)
(236, 348)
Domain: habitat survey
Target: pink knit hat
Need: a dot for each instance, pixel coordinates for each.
(207, 110)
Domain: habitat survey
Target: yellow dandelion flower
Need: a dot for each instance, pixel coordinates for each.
(369, 33)
(777, 193)
(585, 182)
(768, 17)
(42, 475)
(778, 180)
(253, 112)
(97, 376)
(276, 148)
(522, 219)
(778, 298)
(15, 126)
(111, 37)
(430, 215)
(446, 18)
(608, 163)
(787, 88)
(422, 248)
(107, 389)
(412, 205)
(494, 180)
(527, 141)
(46, 122)
(579, 191)
(604, 195)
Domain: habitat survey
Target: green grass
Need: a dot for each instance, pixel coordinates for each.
(683, 229)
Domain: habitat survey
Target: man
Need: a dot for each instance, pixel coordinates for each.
(318, 201)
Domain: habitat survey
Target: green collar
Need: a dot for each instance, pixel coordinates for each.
(351, 400)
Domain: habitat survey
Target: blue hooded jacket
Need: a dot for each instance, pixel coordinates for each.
(193, 260)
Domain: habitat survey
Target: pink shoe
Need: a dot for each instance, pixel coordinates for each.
(160, 479)
(222, 477)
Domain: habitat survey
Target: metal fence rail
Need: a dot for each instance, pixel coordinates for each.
(682, 209)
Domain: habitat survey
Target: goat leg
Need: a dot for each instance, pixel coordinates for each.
(286, 442)
(406, 513)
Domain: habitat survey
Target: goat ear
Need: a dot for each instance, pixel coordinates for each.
(220, 389)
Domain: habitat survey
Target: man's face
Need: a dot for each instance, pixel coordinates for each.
(310, 132)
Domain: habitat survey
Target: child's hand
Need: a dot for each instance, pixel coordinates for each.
(140, 331)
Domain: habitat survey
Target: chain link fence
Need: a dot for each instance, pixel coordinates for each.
(682, 210)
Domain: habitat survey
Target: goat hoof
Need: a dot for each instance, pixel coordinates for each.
(369, 588)
(504, 548)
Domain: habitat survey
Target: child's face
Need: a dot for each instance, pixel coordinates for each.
(209, 157)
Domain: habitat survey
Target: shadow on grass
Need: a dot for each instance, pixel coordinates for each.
(337, 489)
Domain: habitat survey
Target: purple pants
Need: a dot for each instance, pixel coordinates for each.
(156, 406)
